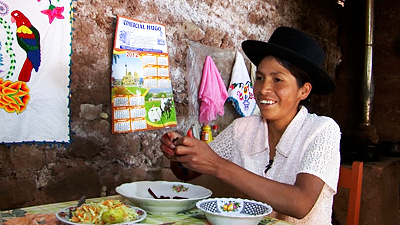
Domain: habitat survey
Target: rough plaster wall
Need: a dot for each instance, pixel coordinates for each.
(385, 114)
(38, 174)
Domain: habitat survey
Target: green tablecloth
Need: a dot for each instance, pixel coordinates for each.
(45, 215)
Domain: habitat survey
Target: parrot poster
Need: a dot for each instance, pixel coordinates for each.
(28, 38)
(35, 60)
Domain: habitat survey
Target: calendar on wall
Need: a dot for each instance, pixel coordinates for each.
(141, 90)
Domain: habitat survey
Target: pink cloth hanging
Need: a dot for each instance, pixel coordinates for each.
(213, 93)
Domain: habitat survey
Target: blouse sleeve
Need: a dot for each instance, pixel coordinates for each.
(322, 157)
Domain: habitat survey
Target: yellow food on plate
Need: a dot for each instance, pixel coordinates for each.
(104, 212)
(113, 216)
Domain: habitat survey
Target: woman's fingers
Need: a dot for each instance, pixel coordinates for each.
(168, 139)
(168, 152)
(195, 154)
(191, 152)
(188, 142)
(167, 144)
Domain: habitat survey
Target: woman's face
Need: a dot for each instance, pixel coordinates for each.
(277, 92)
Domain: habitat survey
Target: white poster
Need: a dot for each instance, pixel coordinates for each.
(35, 50)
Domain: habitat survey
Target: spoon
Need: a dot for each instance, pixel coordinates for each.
(80, 202)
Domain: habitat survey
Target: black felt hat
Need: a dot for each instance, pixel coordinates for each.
(298, 48)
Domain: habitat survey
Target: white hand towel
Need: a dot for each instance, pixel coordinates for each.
(241, 89)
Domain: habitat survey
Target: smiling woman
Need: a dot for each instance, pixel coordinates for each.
(278, 92)
(304, 147)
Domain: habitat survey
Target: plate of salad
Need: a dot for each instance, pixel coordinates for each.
(105, 212)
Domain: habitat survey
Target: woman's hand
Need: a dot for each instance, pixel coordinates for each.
(196, 155)
(168, 146)
(192, 153)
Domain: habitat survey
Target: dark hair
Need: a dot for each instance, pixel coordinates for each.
(301, 77)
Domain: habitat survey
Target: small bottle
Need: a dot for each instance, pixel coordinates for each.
(206, 134)
(215, 131)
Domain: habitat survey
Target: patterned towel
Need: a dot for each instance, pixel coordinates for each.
(35, 49)
(241, 89)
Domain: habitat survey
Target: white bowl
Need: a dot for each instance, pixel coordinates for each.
(138, 193)
(233, 211)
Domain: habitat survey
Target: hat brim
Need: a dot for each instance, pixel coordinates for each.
(257, 50)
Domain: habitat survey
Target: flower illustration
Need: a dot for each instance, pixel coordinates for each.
(251, 95)
(3, 9)
(240, 94)
(14, 97)
(245, 89)
(53, 12)
(179, 188)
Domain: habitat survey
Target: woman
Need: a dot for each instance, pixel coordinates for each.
(285, 157)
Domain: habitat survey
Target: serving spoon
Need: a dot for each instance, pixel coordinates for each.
(80, 202)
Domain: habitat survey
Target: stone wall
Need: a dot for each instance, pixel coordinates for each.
(97, 161)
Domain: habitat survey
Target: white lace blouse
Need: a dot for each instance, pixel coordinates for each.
(310, 144)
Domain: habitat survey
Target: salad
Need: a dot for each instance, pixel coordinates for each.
(104, 212)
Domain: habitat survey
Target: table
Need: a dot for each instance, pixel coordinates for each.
(45, 215)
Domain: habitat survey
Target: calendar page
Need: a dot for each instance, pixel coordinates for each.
(141, 91)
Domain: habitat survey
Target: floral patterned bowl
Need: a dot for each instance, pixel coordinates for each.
(233, 211)
(163, 196)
